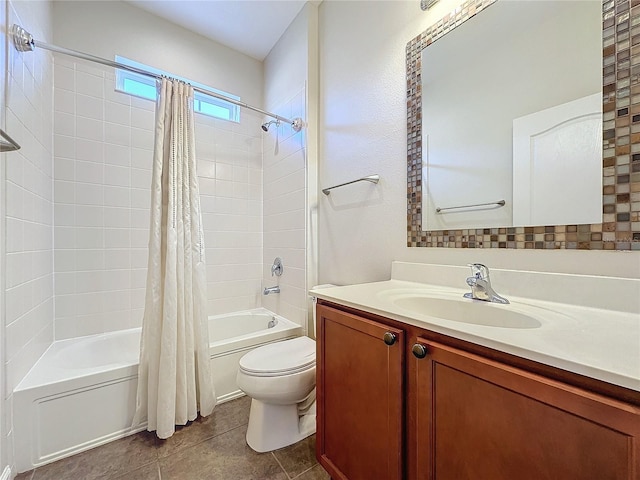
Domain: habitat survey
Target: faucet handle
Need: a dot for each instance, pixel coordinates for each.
(479, 271)
(277, 268)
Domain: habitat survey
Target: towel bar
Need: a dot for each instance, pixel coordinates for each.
(7, 144)
(500, 203)
(370, 178)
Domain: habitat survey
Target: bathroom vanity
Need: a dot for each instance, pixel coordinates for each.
(536, 390)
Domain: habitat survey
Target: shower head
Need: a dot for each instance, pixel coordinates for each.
(265, 126)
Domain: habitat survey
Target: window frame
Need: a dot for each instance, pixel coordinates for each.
(202, 103)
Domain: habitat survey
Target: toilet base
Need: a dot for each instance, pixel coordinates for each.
(276, 426)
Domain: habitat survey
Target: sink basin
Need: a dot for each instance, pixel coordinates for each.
(464, 310)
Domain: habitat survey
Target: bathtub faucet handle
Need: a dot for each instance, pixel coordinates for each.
(277, 268)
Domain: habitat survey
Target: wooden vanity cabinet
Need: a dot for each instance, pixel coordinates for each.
(360, 388)
(460, 412)
(481, 419)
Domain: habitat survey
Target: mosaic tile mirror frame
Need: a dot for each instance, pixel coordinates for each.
(620, 229)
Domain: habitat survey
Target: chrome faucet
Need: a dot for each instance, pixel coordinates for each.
(481, 285)
(270, 290)
(277, 268)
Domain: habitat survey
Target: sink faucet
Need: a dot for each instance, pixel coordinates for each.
(481, 285)
(269, 290)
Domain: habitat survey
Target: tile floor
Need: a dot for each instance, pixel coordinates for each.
(212, 448)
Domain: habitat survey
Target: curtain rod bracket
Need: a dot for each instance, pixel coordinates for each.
(297, 124)
(22, 40)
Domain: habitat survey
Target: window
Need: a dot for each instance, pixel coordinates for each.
(144, 86)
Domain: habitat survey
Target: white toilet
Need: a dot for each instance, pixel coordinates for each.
(280, 378)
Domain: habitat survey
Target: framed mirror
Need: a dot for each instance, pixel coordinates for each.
(619, 184)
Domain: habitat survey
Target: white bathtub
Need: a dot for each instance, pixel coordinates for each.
(82, 391)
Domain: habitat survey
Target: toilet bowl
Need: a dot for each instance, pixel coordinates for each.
(280, 378)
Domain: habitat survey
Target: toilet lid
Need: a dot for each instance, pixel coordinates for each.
(288, 356)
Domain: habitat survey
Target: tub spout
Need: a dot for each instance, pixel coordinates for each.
(269, 290)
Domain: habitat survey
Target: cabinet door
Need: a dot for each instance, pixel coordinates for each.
(360, 386)
(480, 419)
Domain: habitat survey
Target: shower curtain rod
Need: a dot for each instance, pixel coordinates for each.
(24, 42)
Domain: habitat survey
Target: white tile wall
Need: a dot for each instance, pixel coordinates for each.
(91, 203)
(232, 210)
(285, 213)
(29, 199)
(103, 156)
(26, 100)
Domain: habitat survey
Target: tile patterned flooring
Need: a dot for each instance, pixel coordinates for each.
(211, 448)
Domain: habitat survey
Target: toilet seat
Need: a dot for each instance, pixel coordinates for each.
(280, 358)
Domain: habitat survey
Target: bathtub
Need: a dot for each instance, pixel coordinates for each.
(82, 391)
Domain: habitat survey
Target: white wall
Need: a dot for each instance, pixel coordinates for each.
(106, 28)
(286, 156)
(104, 145)
(27, 212)
(363, 131)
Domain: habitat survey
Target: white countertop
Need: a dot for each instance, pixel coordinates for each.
(600, 343)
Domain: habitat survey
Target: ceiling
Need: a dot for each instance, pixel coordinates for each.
(250, 26)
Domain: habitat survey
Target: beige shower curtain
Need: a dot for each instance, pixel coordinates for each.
(174, 380)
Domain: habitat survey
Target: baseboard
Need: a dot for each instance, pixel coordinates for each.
(6, 473)
(230, 396)
(93, 443)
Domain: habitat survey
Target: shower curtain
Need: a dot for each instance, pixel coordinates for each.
(174, 380)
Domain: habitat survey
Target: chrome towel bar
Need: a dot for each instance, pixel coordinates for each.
(370, 178)
(7, 144)
(499, 203)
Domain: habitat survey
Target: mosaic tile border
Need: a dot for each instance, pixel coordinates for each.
(620, 229)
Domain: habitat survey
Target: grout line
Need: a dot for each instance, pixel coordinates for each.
(122, 475)
(278, 462)
(197, 443)
(159, 456)
(307, 470)
(159, 469)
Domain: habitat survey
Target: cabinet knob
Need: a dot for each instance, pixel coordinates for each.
(389, 338)
(419, 350)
